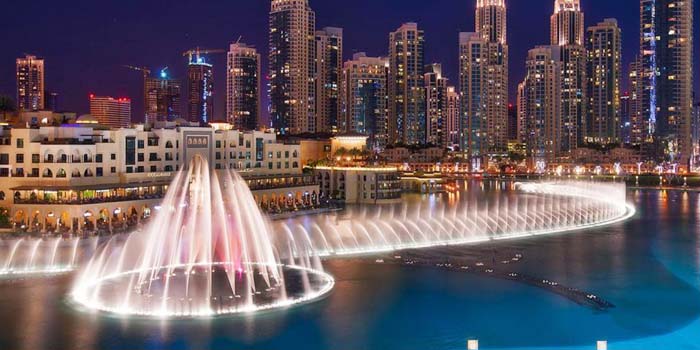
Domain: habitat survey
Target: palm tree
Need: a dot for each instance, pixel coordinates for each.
(7, 105)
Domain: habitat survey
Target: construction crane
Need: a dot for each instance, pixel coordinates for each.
(195, 54)
(146, 72)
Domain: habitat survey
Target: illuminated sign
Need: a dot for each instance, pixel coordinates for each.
(197, 141)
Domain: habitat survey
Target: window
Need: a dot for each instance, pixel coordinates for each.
(129, 170)
(36, 158)
(141, 169)
(259, 149)
(19, 158)
(19, 172)
(99, 172)
(153, 168)
(4, 159)
(286, 154)
(20, 143)
(141, 157)
(98, 158)
(4, 172)
(152, 157)
(130, 151)
(113, 170)
(218, 144)
(218, 155)
(141, 144)
(113, 156)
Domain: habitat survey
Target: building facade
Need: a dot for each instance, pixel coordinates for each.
(667, 59)
(407, 116)
(484, 83)
(82, 178)
(243, 87)
(292, 66)
(639, 124)
(567, 32)
(30, 83)
(200, 99)
(329, 68)
(452, 118)
(542, 94)
(603, 71)
(163, 96)
(364, 98)
(111, 112)
(436, 106)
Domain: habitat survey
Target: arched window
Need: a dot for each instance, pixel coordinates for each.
(61, 173)
(2, 195)
(88, 173)
(169, 144)
(48, 173)
(75, 173)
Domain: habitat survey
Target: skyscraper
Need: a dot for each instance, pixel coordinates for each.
(542, 95)
(567, 30)
(667, 54)
(364, 98)
(603, 71)
(243, 87)
(200, 78)
(329, 66)
(453, 113)
(111, 112)
(521, 109)
(162, 98)
(292, 66)
(484, 83)
(30, 83)
(407, 120)
(472, 73)
(639, 125)
(436, 105)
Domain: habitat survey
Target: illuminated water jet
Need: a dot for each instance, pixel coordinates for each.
(209, 251)
(39, 256)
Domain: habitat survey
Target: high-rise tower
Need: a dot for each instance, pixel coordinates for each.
(567, 33)
(407, 120)
(666, 39)
(484, 83)
(30, 83)
(162, 98)
(200, 85)
(243, 87)
(436, 105)
(329, 66)
(603, 71)
(363, 98)
(292, 66)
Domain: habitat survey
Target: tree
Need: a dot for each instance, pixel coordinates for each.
(7, 105)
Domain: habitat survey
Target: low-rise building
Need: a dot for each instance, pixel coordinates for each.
(81, 177)
(358, 185)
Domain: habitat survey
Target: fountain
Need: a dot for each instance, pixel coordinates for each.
(539, 209)
(37, 256)
(209, 251)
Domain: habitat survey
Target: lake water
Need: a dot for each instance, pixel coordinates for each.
(649, 267)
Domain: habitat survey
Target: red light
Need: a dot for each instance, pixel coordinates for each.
(92, 96)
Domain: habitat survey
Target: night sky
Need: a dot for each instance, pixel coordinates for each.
(86, 42)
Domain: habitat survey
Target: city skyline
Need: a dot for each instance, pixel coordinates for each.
(362, 33)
